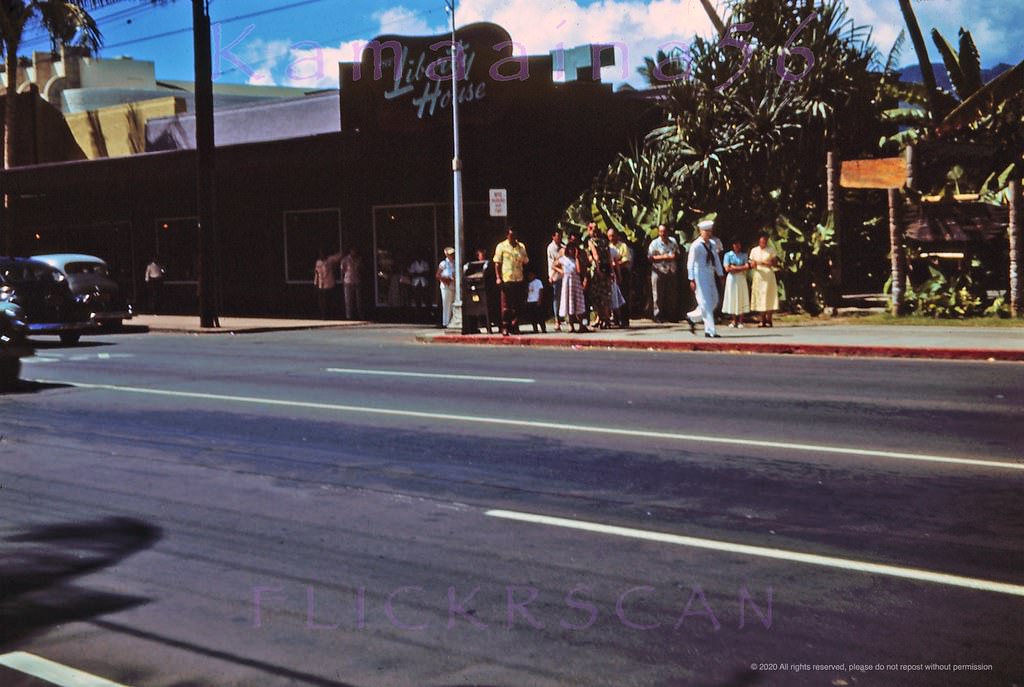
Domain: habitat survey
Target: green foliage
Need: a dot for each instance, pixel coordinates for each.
(941, 297)
(754, 153)
(806, 262)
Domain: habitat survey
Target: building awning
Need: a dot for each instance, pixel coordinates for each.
(955, 222)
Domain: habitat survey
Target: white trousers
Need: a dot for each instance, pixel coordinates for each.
(447, 303)
(707, 300)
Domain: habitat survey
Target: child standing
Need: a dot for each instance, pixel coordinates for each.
(534, 293)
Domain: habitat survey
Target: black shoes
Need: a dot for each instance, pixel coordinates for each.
(693, 325)
(712, 336)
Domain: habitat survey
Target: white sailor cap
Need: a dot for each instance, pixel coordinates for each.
(706, 225)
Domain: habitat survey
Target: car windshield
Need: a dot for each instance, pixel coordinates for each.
(26, 272)
(97, 268)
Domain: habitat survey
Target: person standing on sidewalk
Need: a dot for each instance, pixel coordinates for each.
(737, 292)
(554, 277)
(155, 274)
(623, 259)
(509, 259)
(350, 268)
(764, 291)
(662, 253)
(703, 268)
(324, 281)
(446, 281)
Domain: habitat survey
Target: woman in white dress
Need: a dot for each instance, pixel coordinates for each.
(764, 291)
(573, 305)
(737, 291)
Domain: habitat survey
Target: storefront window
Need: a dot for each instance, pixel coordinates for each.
(177, 242)
(306, 233)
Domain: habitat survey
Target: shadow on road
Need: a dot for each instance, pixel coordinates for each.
(37, 568)
(52, 345)
(24, 386)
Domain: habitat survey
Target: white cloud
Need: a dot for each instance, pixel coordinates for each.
(639, 25)
(991, 22)
(404, 22)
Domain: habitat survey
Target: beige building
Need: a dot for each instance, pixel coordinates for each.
(108, 102)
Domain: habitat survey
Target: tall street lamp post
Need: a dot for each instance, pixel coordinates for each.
(457, 322)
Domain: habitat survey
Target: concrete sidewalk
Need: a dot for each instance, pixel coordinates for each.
(189, 324)
(891, 341)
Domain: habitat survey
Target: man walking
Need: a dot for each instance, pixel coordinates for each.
(509, 259)
(662, 253)
(704, 267)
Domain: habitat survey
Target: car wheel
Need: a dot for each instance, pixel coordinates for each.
(9, 369)
(70, 339)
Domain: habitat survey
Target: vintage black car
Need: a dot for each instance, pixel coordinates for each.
(39, 296)
(13, 346)
(89, 276)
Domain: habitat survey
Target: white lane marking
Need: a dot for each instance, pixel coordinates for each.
(58, 674)
(767, 552)
(534, 424)
(430, 375)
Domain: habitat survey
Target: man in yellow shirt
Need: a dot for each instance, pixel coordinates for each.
(509, 259)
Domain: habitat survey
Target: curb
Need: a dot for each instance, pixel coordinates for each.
(229, 330)
(725, 347)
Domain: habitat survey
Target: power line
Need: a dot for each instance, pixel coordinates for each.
(228, 20)
(38, 34)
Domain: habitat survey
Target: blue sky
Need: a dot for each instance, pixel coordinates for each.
(299, 42)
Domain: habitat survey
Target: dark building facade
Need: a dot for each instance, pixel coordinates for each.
(381, 184)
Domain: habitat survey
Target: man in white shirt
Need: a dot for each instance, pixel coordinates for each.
(446, 282)
(155, 274)
(662, 253)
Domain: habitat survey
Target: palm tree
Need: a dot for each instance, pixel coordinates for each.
(927, 73)
(742, 151)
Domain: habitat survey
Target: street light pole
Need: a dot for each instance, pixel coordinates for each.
(457, 322)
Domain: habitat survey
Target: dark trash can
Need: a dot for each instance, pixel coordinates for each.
(478, 295)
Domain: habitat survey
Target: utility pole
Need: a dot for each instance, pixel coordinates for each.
(205, 165)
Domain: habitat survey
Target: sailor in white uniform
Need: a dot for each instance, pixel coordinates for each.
(703, 266)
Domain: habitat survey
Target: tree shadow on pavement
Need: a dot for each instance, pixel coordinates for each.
(38, 565)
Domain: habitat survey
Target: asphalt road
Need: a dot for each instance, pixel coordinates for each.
(285, 509)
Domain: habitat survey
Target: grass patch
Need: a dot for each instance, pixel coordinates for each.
(882, 318)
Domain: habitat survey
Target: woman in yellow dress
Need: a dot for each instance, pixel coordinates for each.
(764, 292)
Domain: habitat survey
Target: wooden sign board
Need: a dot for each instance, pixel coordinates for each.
(884, 173)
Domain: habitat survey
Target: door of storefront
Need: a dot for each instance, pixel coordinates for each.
(408, 244)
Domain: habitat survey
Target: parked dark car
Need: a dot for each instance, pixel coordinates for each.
(39, 296)
(13, 345)
(89, 276)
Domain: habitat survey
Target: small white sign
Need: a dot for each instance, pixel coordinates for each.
(499, 202)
